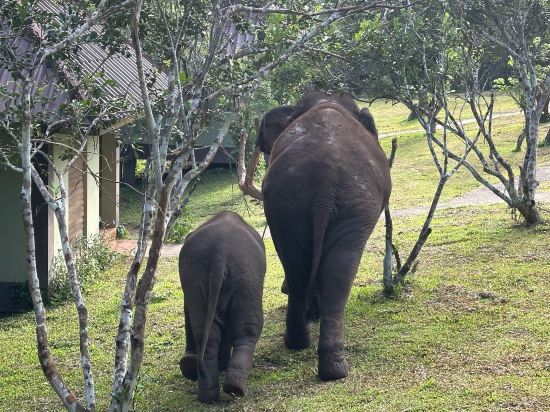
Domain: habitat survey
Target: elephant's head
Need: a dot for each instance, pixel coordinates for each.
(277, 120)
(272, 125)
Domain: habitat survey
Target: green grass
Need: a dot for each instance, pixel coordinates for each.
(392, 117)
(217, 190)
(469, 332)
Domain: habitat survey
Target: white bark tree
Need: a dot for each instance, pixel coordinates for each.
(468, 31)
(520, 27)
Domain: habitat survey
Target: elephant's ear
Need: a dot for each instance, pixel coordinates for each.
(366, 119)
(272, 125)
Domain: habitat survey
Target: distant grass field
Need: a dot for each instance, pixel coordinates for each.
(392, 117)
(470, 332)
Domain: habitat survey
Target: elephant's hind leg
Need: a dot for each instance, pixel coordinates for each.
(296, 263)
(246, 322)
(188, 363)
(338, 269)
(239, 366)
(224, 353)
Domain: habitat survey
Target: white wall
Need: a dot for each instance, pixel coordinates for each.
(92, 188)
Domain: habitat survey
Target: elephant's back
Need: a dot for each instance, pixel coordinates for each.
(225, 241)
(328, 150)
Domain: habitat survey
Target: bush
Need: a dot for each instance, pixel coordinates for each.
(179, 230)
(91, 256)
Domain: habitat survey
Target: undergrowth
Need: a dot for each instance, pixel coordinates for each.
(91, 256)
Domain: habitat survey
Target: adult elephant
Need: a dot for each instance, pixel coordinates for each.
(327, 182)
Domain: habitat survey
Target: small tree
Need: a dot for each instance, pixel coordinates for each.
(403, 45)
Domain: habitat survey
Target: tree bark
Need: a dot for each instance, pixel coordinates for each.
(45, 357)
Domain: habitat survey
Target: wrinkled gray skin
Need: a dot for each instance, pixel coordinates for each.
(327, 183)
(222, 268)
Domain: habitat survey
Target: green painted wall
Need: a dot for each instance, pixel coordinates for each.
(12, 237)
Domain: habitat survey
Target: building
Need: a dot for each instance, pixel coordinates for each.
(93, 196)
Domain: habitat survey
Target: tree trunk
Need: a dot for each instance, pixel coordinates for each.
(530, 212)
(45, 357)
(519, 141)
(546, 141)
(246, 176)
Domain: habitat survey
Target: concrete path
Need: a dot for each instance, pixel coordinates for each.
(476, 197)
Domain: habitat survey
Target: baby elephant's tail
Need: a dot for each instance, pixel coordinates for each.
(215, 282)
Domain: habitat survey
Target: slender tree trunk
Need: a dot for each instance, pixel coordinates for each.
(547, 138)
(246, 177)
(528, 182)
(45, 357)
(519, 141)
(142, 296)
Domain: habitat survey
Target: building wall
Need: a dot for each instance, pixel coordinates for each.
(12, 237)
(77, 199)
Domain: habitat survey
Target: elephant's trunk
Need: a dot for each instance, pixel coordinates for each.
(246, 175)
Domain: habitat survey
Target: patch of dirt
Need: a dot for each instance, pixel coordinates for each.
(128, 247)
(529, 403)
(460, 299)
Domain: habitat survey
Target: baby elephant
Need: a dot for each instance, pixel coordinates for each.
(222, 268)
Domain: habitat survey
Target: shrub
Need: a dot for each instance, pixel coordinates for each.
(91, 256)
(179, 230)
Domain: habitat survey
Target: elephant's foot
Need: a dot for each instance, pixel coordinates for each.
(188, 366)
(234, 388)
(297, 342)
(235, 382)
(209, 395)
(332, 366)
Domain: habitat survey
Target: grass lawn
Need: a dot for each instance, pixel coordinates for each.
(391, 117)
(471, 330)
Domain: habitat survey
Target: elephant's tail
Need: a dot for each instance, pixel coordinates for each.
(214, 286)
(321, 219)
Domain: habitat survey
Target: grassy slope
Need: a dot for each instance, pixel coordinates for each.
(441, 345)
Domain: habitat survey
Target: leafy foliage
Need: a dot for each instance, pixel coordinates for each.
(92, 256)
(179, 230)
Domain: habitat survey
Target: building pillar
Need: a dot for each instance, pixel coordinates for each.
(91, 225)
(109, 165)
